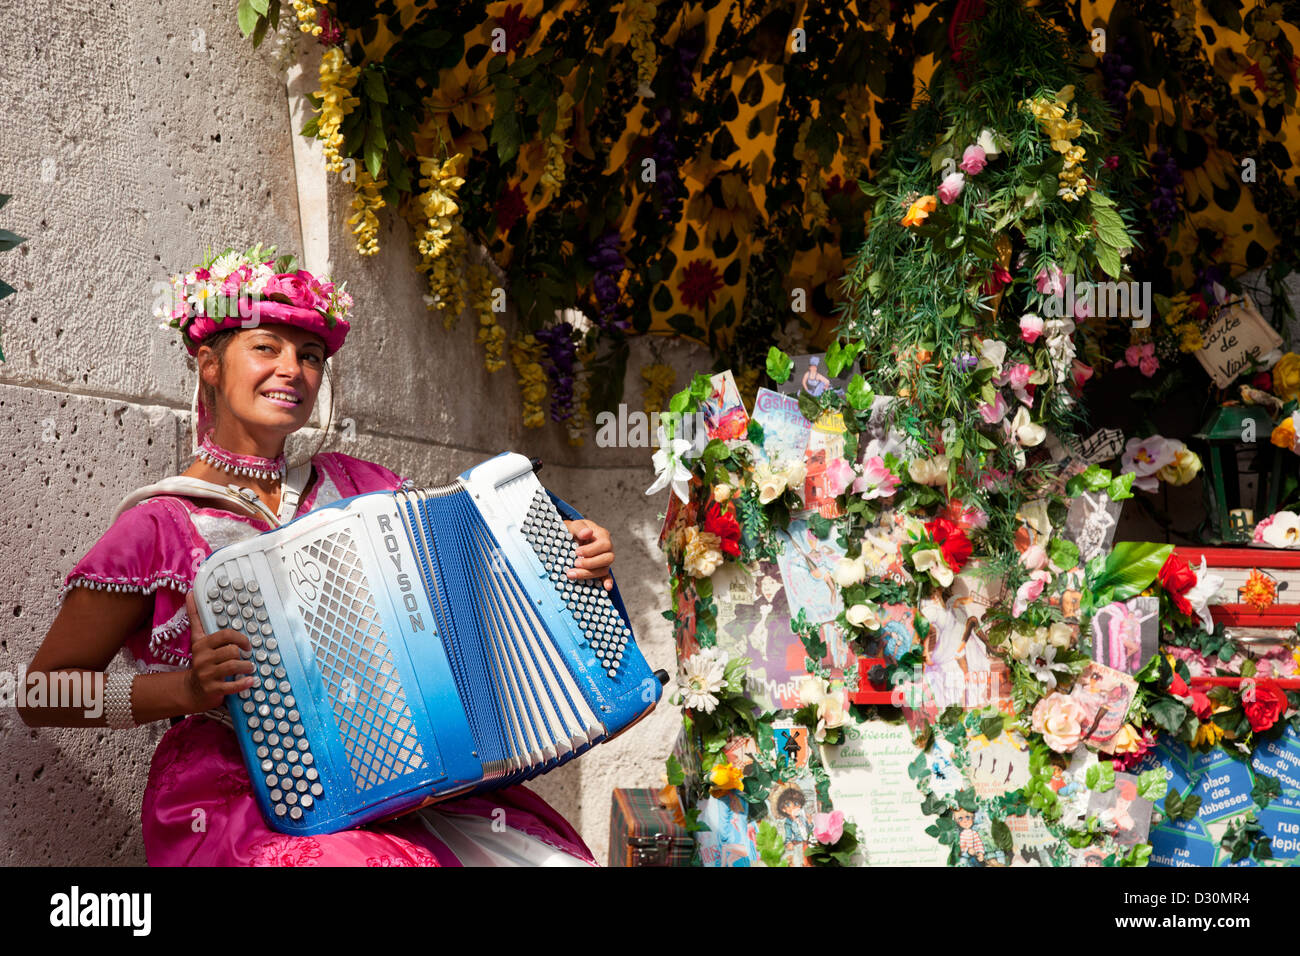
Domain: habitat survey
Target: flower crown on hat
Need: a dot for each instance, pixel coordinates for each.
(228, 289)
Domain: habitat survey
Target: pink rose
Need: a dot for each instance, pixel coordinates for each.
(839, 475)
(973, 160)
(951, 188)
(828, 827)
(1059, 718)
(319, 290)
(291, 289)
(1031, 327)
(1050, 281)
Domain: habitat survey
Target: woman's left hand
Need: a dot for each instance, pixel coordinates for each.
(595, 552)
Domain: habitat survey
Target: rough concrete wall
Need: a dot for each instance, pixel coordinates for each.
(133, 143)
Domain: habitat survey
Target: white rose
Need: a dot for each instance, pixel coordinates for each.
(812, 689)
(863, 615)
(850, 571)
(1060, 635)
(929, 471)
(722, 492)
(931, 560)
(795, 474)
(1020, 645)
(770, 486)
(831, 713)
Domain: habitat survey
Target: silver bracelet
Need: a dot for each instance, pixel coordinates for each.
(117, 701)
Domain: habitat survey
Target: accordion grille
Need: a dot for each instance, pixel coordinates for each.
(356, 665)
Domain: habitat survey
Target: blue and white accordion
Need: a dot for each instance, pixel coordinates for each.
(416, 645)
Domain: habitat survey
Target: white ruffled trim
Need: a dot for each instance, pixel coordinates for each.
(160, 580)
(153, 667)
(160, 635)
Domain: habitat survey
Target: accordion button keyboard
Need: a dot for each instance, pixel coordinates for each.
(295, 813)
(306, 801)
(258, 600)
(253, 722)
(258, 737)
(292, 757)
(317, 789)
(271, 781)
(267, 766)
(214, 592)
(308, 759)
(249, 707)
(263, 753)
(281, 809)
(223, 581)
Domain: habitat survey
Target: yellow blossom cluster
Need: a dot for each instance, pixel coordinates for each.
(554, 169)
(659, 380)
(441, 241)
(366, 203)
(490, 333)
(641, 24)
(1188, 332)
(337, 79)
(1050, 114)
(306, 12)
(1264, 32)
(525, 352)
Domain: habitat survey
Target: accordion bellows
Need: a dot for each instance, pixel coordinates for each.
(415, 645)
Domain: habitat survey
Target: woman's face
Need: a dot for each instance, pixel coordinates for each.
(269, 377)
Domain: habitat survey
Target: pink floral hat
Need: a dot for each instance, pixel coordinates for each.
(232, 290)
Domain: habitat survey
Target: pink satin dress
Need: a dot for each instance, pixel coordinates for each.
(198, 807)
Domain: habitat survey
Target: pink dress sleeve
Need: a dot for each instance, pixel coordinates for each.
(151, 548)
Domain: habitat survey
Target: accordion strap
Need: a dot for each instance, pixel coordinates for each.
(245, 498)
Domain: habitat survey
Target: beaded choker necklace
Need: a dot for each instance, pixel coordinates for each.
(251, 465)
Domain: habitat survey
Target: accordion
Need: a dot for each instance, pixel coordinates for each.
(416, 645)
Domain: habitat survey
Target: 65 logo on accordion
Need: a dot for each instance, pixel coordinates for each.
(413, 646)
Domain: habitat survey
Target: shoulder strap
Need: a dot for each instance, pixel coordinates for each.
(246, 499)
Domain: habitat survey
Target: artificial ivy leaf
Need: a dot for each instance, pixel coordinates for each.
(820, 526)
(676, 776)
(809, 407)
(1122, 487)
(1002, 837)
(1168, 713)
(1152, 785)
(1062, 553)
(770, 845)
(991, 727)
(779, 365)
(858, 393)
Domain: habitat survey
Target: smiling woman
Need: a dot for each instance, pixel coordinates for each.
(262, 335)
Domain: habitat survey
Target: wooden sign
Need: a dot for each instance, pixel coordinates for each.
(1236, 334)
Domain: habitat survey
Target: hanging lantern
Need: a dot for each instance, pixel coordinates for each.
(1243, 472)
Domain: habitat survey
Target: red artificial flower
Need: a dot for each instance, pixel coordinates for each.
(724, 525)
(1201, 705)
(1263, 702)
(835, 186)
(510, 206)
(1000, 278)
(952, 541)
(1177, 578)
(700, 284)
(1199, 308)
(1177, 686)
(1263, 381)
(516, 26)
(1112, 162)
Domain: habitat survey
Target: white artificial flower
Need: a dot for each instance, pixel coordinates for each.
(993, 354)
(795, 474)
(701, 679)
(222, 266)
(1020, 645)
(669, 468)
(1282, 532)
(1060, 635)
(1041, 661)
(929, 471)
(701, 552)
(850, 571)
(988, 142)
(1199, 597)
(932, 560)
(811, 690)
(1027, 432)
(863, 615)
(770, 484)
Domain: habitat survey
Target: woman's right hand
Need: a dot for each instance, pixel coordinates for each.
(214, 658)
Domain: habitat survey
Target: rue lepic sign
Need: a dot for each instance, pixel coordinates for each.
(1236, 335)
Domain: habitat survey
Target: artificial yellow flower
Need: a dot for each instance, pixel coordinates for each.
(1127, 740)
(525, 352)
(1208, 733)
(659, 380)
(724, 777)
(920, 210)
(364, 220)
(1286, 377)
(337, 79)
(1284, 435)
